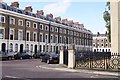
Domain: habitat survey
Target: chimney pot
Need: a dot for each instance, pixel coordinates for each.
(29, 8)
(40, 12)
(15, 4)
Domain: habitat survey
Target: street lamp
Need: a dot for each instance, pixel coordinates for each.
(8, 33)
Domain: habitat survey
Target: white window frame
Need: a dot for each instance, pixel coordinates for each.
(27, 22)
(47, 27)
(19, 22)
(60, 30)
(65, 31)
(36, 36)
(51, 40)
(18, 34)
(40, 26)
(1, 18)
(61, 39)
(3, 32)
(10, 33)
(35, 24)
(56, 28)
(42, 36)
(57, 38)
(47, 38)
(52, 28)
(13, 20)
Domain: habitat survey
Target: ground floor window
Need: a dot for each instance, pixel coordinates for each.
(1, 33)
(31, 47)
(40, 48)
(16, 47)
(54, 48)
(11, 46)
(51, 49)
(43, 48)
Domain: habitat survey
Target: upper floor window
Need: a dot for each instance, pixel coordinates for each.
(35, 37)
(27, 23)
(65, 31)
(41, 26)
(51, 38)
(41, 38)
(11, 34)
(20, 35)
(28, 36)
(2, 18)
(56, 29)
(60, 39)
(20, 22)
(12, 20)
(60, 30)
(46, 28)
(35, 25)
(51, 29)
(1, 33)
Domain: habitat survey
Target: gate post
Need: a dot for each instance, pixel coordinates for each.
(61, 57)
(71, 57)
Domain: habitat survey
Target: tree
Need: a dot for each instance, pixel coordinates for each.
(106, 16)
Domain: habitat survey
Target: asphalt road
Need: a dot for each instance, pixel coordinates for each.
(28, 69)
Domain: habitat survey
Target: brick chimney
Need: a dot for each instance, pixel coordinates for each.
(70, 22)
(49, 15)
(15, 4)
(29, 8)
(65, 21)
(58, 18)
(40, 12)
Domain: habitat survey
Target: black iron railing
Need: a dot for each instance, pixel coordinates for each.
(98, 60)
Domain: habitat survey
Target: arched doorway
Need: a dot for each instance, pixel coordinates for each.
(35, 49)
(3, 47)
(21, 47)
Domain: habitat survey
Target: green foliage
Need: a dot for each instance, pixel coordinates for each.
(106, 17)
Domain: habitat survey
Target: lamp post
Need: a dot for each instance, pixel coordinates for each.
(49, 37)
(8, 33)
(38, 36)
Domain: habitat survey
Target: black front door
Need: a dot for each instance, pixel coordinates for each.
(3, 47)
(35, 50)
(65, 58)
(21, 47)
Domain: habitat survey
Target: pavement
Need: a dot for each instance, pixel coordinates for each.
(61, 67)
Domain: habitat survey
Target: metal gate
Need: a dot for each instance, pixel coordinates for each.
(65, 57)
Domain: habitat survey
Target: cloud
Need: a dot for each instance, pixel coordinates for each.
(57, 8)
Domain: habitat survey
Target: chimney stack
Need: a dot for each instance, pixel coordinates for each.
(49, 15)
(58, 18)
(15, 4)
(29, 8)
(65, 21)
(40, 12)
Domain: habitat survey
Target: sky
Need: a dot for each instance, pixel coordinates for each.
(87, 12)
